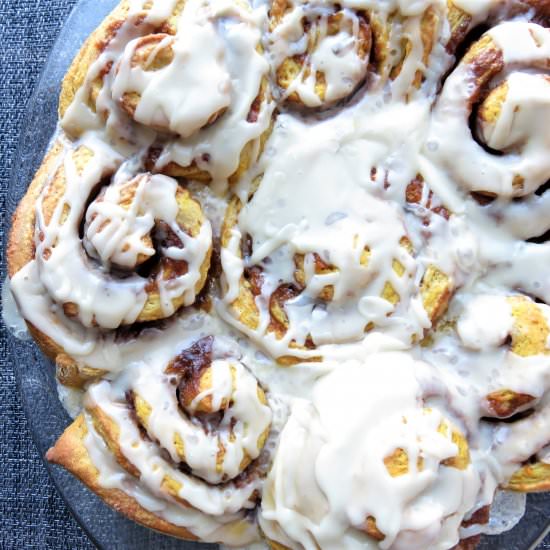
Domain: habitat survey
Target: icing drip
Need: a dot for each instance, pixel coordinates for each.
(425, 495)
(174, 97)
(11, 316)
(487, 322)
(244, 423)
(117, 223)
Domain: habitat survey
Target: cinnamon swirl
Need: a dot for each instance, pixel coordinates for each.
(187, 430)
(196, 75)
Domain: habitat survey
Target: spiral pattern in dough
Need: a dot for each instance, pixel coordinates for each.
(510, 160)
(192, 72)
(121, 223)
(188, 431)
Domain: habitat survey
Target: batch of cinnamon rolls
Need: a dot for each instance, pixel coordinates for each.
(289, 258)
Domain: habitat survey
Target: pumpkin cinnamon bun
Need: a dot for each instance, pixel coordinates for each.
(508, 359)
(99, 247)
(175, 445)
(332, 293)
(506, 153)
(298, 279)
(305, 35)
(187, 79)
(403, 447)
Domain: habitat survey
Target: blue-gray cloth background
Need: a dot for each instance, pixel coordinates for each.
(32, 514)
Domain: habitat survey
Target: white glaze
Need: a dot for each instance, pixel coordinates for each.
(336, 56)
(11, 316)
(114, 234)
(316, 506)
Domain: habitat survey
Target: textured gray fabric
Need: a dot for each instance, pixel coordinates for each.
(32, 513)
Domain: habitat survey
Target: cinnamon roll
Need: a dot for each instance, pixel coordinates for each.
(509, 160)
(295, 281)
(510, 358)
(291, 262)
(312, 307)
(323, 51)
(175, 446)
(400, 447)
(190, 75)
(89, 222)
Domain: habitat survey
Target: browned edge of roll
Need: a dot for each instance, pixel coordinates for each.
(70, 452)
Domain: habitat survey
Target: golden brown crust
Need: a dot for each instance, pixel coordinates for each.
(530, 331)
(276, 545)
(370, 528)
(71, 453)
(72, 375)
(21, 240)
(21, 248)
(90, 51)
(460, 22)
(436, 290)
(531, 478)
